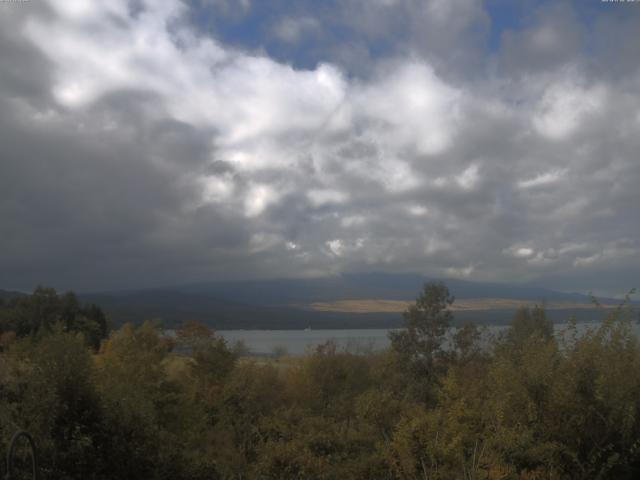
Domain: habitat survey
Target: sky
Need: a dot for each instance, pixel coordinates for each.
(150, 143)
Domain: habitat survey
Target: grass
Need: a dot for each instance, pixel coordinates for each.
(397, 306)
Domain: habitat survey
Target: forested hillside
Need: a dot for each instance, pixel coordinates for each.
(137, 405)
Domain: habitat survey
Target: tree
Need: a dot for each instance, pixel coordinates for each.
(143, 408)
(56, 400)
(211, 359)
(466, 341)
(529, 322)
(42, 312)
(419, 344)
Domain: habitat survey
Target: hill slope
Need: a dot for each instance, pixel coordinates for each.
(347, 301)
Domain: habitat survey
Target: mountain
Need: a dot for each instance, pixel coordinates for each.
(7, 294)
(293, 303)
(356, 286)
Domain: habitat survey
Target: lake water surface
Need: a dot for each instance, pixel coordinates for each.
(298, 342)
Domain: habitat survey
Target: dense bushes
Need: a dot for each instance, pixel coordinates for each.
(439, 404)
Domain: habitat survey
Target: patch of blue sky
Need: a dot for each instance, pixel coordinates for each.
(253, 28)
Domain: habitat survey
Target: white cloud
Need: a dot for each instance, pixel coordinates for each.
(245, 97)
(258, 198)
(336, 247)
(459, 272)
(418, 210)
(518, 251)
(392, 174)
(409, 106)
(292, 29)
(216, 189)
(614, 251)
(319, 198)
(352, 221)
(565, 105)
(543, 258)
(468, 178)
(587, 261)
(543, 179)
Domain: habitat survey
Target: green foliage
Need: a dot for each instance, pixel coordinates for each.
(147, 413)
(527, 323)
(419, 345)
(440, 404)
(426, 324)
(43, 311)
(467, 342)
(53, 396)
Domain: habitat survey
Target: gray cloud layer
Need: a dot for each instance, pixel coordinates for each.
(140, 151)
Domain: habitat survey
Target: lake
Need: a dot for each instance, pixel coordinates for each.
(298, 342)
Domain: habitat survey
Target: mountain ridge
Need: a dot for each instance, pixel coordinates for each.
(292, 303)
(351, 286)
(372, 300)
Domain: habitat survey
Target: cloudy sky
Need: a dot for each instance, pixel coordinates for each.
(157, 142)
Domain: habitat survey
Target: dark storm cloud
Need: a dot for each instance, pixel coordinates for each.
(26, 72)
(140, 149)
(82, 204)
